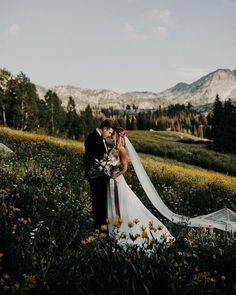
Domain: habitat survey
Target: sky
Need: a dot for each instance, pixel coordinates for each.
(120, 45)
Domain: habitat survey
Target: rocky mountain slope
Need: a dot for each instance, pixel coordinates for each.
(198, 93)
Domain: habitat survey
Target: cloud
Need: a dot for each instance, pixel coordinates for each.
(13, 29)
(165, 17)
(156, 25)
(188, 73)
(153, 33)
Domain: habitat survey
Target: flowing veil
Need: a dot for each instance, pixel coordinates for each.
(224, 219)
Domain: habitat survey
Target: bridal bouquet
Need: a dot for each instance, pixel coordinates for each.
(107, 166)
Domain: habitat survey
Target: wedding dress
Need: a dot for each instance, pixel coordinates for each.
(123, 203)
(134, 223)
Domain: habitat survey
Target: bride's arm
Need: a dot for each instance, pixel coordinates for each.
(123, 161)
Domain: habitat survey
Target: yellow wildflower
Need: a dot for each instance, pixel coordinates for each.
(118, 222)
(103, 235)
(136, 220)
(103, 227)
(108, 220)
(150, 224)
(143, 227)
(130, 224)
(144, 234)
(160, 227)
(88, 240)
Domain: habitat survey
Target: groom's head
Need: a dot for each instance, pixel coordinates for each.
(107, 128)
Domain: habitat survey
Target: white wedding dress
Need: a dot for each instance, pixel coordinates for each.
(122, 203)
(134, 223)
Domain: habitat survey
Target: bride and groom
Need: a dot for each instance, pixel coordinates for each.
(113, 201)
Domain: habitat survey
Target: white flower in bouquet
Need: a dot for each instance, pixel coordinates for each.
(105, 167)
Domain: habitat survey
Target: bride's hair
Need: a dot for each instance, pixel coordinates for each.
(119, 137)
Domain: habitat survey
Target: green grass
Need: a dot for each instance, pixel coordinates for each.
(47, 242)
(184, 148)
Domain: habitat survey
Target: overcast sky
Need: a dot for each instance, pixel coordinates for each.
(121, 45)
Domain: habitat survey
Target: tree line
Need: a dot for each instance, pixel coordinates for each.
(223, 125)
(21, 108)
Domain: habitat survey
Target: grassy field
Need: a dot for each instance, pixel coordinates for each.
(47, 242)
(184, 148)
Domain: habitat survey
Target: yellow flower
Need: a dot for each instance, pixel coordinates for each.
(103, 235)
(160, 227)
(136, 220)
(143, 227)
(144, 234)
(150, 224)
(88, 240)
(130, 224)
(118, 222)
(118, 236)
(108, 220)
(103, 228)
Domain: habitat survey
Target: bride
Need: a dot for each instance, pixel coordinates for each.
(129, 221)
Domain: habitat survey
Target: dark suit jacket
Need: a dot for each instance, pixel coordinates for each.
(94, 149)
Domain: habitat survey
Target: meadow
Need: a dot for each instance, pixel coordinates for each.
(47, 241)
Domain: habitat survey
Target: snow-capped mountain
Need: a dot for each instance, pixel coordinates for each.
(198, 93)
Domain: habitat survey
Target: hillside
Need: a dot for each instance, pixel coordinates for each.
(48, 242)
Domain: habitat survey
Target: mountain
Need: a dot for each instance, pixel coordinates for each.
(199, 93)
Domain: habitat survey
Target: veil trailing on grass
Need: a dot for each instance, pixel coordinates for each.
(4, 148)
(224, 219)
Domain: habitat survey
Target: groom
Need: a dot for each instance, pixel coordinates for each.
(95, 148)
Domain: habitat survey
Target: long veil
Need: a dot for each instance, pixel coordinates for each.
(224, 219)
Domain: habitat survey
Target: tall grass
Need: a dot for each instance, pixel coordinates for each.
(47, 241)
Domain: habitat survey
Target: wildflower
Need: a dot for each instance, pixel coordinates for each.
(103, 235)
(142, 227)
(118, 222)
(136, 221)
(88, 240)
(108, 220)
(103, 227)
(130, 224)
(118, 236)
(150, 224)
(144, 234)
(160, 227)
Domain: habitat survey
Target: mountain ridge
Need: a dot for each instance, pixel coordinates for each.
(200, 92)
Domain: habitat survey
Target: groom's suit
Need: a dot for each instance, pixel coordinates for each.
(95, 148)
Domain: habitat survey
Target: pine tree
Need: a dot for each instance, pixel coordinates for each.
(217, 120)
